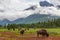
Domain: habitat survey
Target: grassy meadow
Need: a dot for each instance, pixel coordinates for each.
(51, 31)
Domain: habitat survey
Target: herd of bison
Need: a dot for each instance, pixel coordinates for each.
(39, 35)
(42, 32)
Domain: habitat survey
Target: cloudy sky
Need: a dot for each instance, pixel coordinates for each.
(13, 9)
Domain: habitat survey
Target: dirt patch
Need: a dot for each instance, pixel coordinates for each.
(11, 36)
(40, 38)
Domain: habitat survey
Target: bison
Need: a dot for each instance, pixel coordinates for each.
(22, 31)
(42, 32)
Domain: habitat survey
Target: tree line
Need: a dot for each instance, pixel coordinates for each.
(46, 24)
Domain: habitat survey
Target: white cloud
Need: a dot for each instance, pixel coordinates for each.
(13, 8)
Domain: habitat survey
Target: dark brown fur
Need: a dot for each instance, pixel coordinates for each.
(22, 32)
(42, 32)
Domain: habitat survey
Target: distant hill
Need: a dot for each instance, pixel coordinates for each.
(4, 21)
(34, 18)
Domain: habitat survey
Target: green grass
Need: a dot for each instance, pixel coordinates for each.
(52, 31)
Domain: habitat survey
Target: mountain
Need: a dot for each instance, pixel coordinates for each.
(45, 4)
(34, 18)
(12, 9)
(20, 20)
(4, 21)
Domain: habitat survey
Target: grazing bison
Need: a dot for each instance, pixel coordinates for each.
(42, 32)
(22, 31)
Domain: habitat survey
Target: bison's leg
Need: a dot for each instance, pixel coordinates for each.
(22, 33)
(47, 35)
(43, 35)
(37, 34)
